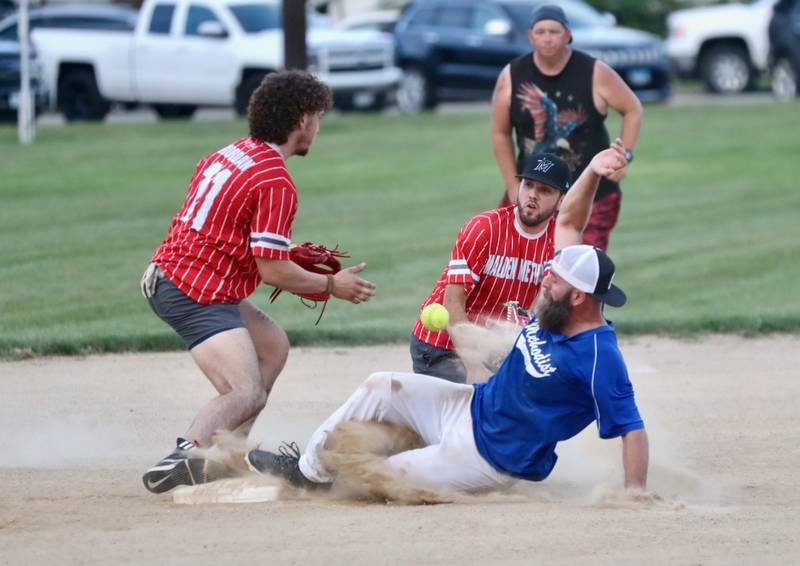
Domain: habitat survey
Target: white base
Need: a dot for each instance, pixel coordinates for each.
(238, 490)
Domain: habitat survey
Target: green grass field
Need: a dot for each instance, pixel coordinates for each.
(707, 241)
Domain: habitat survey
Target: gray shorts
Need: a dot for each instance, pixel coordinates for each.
(193, 321)
(438, 362)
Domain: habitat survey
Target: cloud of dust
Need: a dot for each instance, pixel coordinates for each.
(487, 346)
(67, 442)
(356, 453)
(589, 472)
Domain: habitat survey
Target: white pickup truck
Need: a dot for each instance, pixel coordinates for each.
(188, 53)
(725, 45)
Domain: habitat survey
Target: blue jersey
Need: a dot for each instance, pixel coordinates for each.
(548, 389)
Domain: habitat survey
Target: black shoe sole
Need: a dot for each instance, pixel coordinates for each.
(191, 471)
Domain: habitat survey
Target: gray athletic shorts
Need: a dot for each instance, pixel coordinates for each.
(438, 362)
(193, 321)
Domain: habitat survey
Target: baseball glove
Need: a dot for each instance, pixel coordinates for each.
(317, 259)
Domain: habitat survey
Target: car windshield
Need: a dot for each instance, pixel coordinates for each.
(580, 15)
(256, 18)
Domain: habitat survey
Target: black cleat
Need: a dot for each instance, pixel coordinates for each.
(179, 469)
(283, 465)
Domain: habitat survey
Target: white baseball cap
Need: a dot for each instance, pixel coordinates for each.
(589, 270)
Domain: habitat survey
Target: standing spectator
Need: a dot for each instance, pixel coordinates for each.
(556, 99)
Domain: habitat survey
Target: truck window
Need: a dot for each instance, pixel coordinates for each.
(422, 18)
(161, 20)
(197, 15)
(483, 15)
(257, 17)
(454, 17)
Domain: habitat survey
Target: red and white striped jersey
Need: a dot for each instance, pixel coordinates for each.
(497, 262)
(241, 204)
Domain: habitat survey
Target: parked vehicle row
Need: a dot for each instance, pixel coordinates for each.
(178, 54)
(455, 49)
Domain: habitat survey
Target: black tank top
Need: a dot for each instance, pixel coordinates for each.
(556, 114)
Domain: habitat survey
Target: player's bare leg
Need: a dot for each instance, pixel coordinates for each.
(242, 364)
(230, 362)
(270, 341)
(272, 347)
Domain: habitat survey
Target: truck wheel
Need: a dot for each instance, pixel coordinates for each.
(174, 111)
(78, 97)
(415, 92)
(245, 89)
(784, 80)
(726, 69)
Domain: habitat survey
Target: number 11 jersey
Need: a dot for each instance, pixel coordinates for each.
(240, 205)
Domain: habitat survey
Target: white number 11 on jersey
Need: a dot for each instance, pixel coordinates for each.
(214, 176)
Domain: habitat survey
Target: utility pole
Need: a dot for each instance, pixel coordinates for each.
(294, 34)
(25, 127)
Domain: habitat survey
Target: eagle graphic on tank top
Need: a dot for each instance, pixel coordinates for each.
(557, 114)
(551, 127)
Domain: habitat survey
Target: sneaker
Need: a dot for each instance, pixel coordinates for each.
(179, 469)
(285, 465)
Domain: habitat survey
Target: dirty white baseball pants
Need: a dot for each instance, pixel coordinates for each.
(438, 410)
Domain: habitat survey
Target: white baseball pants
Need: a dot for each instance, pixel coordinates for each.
(438, 410)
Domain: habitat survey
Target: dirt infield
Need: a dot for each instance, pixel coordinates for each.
(722, 413)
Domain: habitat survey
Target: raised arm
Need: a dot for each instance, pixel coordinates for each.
(502, 142)
(577, 203)
(635, 458)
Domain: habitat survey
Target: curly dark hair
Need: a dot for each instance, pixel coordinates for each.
(280, 102)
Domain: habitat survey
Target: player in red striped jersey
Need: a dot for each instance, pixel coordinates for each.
(499, 260)
(232, 232)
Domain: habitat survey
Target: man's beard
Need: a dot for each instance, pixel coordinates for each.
(552, 315)
(531, 221)
(303, 146)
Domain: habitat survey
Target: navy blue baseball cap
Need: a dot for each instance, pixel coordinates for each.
(548, 169)
(550, 12)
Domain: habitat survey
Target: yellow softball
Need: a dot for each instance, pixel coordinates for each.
(434, 317)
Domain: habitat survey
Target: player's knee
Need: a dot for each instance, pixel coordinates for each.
(380, 381)
(259, 398)
(252, 398)
(274, 348)
(256, 401)
(280, 344)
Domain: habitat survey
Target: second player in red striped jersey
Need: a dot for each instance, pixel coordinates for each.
(500, 257)
(496, 261)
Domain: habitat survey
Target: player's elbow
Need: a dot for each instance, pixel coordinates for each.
(633, 109)
(272, 271)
